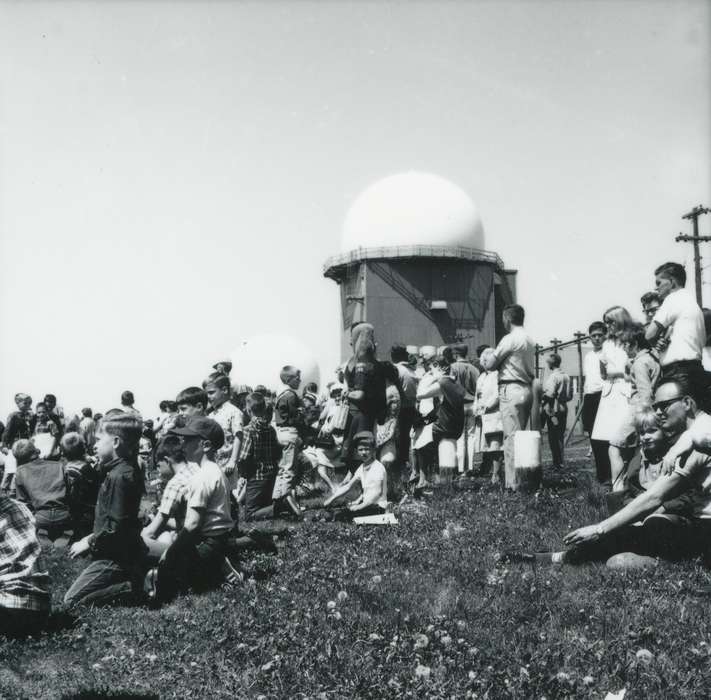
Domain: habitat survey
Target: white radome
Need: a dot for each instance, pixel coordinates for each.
(260, 359)
(412, 209)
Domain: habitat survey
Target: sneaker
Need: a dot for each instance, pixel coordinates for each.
(232, 578)
(150, 587)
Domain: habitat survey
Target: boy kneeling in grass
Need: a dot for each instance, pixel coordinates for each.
(115, 546)
(196, 559)
(259, 460)
(371, 476)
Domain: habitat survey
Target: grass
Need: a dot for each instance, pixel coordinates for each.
(422, 609)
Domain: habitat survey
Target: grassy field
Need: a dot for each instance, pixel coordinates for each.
(423, 609)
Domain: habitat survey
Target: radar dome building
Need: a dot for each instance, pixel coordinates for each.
(413, 263)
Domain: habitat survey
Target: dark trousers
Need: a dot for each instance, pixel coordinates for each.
(53, 522)
(345, 515)
(670, 537)
(601, 455)
(104, 582)
(258, 499)
(591, 402)
(555, 425)
(191, 563)
(405, 420)
(20, 623)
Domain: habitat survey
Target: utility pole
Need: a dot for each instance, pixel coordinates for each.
(555, 342)
(694, 215)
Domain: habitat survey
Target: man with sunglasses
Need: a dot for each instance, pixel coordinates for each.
(644, 527)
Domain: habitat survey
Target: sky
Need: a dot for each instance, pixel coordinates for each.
(174, 174)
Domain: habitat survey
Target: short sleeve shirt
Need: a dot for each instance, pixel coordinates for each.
(680, 312)
(515, 357)
(591, 371)
(371, 480)
(208, 492)
(557, 386)
(174, 500)
(231, 420)
(697, 468)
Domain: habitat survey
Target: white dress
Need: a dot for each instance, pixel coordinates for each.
(616, 393)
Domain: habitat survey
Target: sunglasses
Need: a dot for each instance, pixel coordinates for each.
(663, 406)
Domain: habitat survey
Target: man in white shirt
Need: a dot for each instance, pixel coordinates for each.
(681, 320)
(514, 357)
(592, 392)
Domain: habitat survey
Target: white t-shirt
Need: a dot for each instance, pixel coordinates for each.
(591, 372)
(373, 481)
(208, 491)
(231, 420)
(680, 312)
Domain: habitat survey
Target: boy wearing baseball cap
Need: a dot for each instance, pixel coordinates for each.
(196, 559)
(371, 476)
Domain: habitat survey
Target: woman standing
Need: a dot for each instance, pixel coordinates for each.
(614, 406)
(449, 423)
(365, 380)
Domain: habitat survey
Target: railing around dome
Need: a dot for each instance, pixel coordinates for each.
(335, 262)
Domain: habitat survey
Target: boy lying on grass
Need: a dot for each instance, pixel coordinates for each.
(372, 478)
(655, 523)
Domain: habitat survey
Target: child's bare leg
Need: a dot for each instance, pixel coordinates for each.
(323, 473)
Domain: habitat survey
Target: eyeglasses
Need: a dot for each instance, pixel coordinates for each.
(663, 406)
(597, 335)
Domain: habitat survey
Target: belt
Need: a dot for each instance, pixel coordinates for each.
(514, 381)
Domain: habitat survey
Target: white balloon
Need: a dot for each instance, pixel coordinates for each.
(260, 359)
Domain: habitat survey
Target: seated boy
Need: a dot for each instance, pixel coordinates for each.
(40, 484)
(372, 478)
(83, 483)
(24, 584)
(259, 459)
(116, 548)
(196, 559)
(176, 472)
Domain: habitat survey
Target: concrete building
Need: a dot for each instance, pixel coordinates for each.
(413, 263)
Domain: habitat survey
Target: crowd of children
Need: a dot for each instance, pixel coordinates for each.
(154, 504)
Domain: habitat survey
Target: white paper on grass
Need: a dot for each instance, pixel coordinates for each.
(619, 695)
(383, 519)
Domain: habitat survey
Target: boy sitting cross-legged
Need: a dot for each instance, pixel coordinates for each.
(115, 546)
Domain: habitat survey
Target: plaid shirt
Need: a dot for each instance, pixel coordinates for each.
(23, 584)
(175, 494)
(260, 450)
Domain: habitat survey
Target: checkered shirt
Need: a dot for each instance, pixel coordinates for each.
(23, 583)
(175, 492)
(260, 450)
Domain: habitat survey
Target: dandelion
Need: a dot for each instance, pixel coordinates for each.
(422, 641)
(342, 596)
(331, 605)
(445, 640)
(377, 579)
(422, 672)
(644, 656)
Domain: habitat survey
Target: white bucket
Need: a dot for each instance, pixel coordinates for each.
(527, 460)
(527, 449)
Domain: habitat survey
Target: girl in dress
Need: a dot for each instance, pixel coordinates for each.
(488, 428)
(614, 406)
